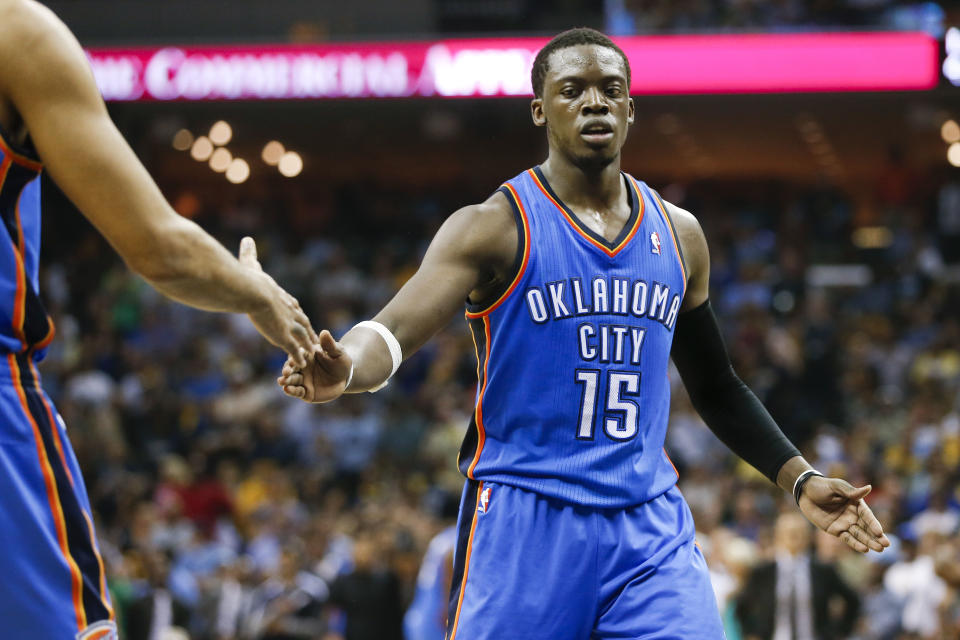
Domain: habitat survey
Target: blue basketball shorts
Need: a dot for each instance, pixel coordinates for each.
(52, 580)
(528, 567)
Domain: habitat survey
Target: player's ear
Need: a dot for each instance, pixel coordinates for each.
(631, 112)
(536, 112)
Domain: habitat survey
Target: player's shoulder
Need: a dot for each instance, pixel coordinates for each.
(489, 216)
(688, 227)
(682, 219)
(28, 30)
(495, 205)
(693, 242)
(22, 20)
(485, 229)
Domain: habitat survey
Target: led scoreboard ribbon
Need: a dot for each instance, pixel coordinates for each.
(761, 63)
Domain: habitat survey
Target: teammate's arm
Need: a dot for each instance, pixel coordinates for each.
(47, 79)
(739, 419)
(471, 255)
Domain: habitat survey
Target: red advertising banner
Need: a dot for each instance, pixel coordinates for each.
(901, 61)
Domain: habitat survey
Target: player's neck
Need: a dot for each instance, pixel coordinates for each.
(601, 189)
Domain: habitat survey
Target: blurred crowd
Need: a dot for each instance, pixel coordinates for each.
(228, 511)
(624, 17)
(630, 17)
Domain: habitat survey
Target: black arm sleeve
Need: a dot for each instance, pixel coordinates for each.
(724, 402)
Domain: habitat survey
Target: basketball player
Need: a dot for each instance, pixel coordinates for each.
(581, 283)
(52, 118)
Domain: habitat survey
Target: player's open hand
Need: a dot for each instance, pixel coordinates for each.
(324, 378)
(838, 508)
(280, 320)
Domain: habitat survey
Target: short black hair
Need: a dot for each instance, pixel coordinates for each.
(570, 38)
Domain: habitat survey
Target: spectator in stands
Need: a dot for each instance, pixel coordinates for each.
(792, 597)
(915, 582)
(882, 608)
(157, 610)
(288, 606)
(370, 587)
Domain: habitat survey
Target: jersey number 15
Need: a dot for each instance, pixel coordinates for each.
(622, 410)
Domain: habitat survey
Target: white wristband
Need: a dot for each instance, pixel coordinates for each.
(802, 480)
(396, 354)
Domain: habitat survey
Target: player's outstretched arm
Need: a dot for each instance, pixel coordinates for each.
(45, 76)
(470, 256)
(740, 420)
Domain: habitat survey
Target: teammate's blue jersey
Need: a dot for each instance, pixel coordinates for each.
(24, 323)
(573, 396)
(55, 584)
(427, 616)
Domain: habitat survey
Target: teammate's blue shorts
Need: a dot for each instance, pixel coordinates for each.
(529, 567)
(52, 581)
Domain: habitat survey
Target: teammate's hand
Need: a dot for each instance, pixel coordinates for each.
(324, 378)
(838, 508)
(280, 320)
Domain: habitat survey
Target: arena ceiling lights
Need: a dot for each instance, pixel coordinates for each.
(701, 64)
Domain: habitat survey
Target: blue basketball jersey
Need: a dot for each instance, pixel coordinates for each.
(573, 395)
(24, 323)
(56, 586)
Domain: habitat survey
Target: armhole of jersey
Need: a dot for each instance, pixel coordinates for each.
(475, 310)
(673, 230)
(26, 155)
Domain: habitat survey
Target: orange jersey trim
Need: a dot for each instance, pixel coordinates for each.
(58, 443)
(16, 322)
(480, 381)
(19, 257)
(466, 566)
(671, 463)
(599, 245)
(481, 432)
(19, 158)
(523, 263)
(76, 581)
(53, 423)
(51, 332)
(4, 169)
(676, 245)
(20, 298)
(103, 573)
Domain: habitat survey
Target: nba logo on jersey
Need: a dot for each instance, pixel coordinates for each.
(655, 242)
(484, 504)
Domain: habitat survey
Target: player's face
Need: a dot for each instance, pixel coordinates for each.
(586, 105)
